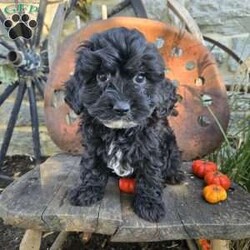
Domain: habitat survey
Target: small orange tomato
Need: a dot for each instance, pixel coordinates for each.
(127, 185)
(201, 167)
(217, 178)
(214, 193)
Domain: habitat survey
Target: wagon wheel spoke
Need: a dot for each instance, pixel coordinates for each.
(70, 8)
(7, 92)
(232, 54)
(34, 121)
(12, 120)
(5, 44)
(40, 20)
(119, 7)
(55, 31)
(139, 8)
(212, 48)
(40, 86)
(223, 47)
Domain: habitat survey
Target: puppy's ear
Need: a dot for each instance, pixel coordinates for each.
(72, 97)
(85, 62)
(166, 98)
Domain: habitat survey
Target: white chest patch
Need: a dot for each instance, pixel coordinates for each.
(115, 163)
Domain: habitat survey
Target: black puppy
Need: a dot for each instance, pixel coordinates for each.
(121, 93)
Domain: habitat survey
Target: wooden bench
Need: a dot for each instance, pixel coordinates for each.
(37, 201)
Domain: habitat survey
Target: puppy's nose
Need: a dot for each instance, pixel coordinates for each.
(121, 108)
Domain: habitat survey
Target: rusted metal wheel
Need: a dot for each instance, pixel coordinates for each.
(30, 57)
(202, 109)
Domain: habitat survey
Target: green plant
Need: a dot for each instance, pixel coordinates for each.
(233, 158)
(240, 244)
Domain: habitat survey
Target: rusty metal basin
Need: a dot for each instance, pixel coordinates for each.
(202, 95)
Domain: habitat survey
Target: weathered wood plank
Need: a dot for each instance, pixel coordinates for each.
(60, 215)
(110, 214)
(133, 229)
(226, 220)
(189, 216)
(171, 227)
(103, 217)
(38, 201)
(23, 202)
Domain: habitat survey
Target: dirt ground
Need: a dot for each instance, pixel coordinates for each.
(10, 237)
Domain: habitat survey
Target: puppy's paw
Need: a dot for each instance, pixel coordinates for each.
(174, 178)
(150, 210)
(85, 196)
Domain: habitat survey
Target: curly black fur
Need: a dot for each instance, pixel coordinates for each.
(121, 93)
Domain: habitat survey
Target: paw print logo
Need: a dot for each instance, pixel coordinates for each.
(20, 26)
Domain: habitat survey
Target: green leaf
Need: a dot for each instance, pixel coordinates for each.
(8, 74)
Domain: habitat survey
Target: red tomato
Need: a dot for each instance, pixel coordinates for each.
(217, 178)
(127, 185)
(201, 168)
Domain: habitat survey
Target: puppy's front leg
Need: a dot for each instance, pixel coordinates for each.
(93, 182)
(172, 173)
(148, 202)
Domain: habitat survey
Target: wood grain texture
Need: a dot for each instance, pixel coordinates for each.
(133, 228)
(61, 216)
(55, 32)
(31, 240)
(102, 217)
(110, 214)
(23, 202)
(189, 216)
(226, 220)
(38, 200)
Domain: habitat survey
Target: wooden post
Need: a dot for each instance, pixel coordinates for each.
(86, 236)
(59, 241)
(78, 22)
(31, 240)
(104, 12)
(220, 244)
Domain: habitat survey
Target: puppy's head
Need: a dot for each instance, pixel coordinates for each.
(119, 79)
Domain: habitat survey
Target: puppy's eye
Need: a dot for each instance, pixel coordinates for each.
(103, 77)
(139, 78)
